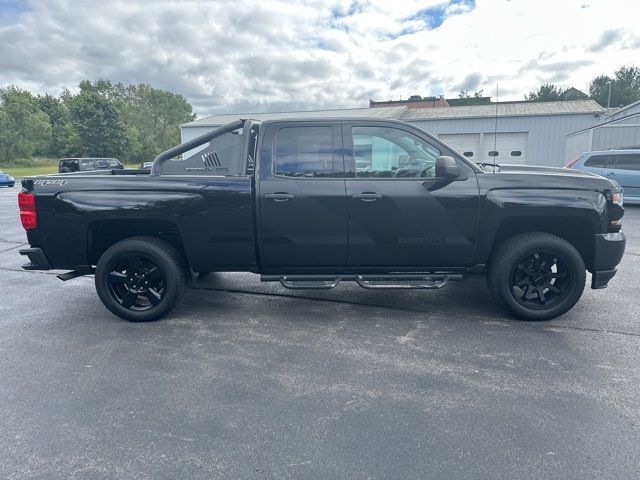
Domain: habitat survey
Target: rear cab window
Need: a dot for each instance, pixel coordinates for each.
(306, 152)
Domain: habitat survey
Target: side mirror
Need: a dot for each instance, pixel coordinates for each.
(447, 168)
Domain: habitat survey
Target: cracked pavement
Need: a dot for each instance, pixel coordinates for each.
(248, 380)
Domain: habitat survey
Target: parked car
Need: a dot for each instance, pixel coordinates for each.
(621, 166)
(66, 165)
(312, 203)
(6, 180)
(146, 165)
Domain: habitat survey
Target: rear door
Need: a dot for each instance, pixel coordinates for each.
(302, 217)
(625, 169)
(400, 213)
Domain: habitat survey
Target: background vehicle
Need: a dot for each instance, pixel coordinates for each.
(6, 180)
(622, 166)
(312, 203)
(146, 165)
(66, 165)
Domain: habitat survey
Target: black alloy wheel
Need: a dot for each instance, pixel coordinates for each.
(136, 282)
(540, 280)
(140, 278)
(536, 275)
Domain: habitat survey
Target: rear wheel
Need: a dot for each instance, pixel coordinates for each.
(140, 279)
(537, 276)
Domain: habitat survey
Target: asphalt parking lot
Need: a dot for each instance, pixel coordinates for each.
(247, 380)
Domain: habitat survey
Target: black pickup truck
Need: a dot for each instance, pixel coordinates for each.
(310, 203)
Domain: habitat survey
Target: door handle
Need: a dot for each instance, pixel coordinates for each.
(367, 196)
(280, 196)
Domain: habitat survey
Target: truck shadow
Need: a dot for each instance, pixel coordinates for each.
(468, 298)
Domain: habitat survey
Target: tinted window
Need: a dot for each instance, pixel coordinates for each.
(305, 152)
(516, 153)
(493, 153)
(597, 161)
(627, 162)
(87, 164)
(392, 152)
(468, 154)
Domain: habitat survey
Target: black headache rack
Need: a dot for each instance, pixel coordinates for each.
(227, 153)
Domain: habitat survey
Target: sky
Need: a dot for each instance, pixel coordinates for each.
(240, 56)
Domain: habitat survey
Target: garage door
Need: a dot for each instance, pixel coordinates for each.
(505, 148)
(467, 144)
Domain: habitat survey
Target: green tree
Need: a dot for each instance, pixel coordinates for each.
(96, 128)
(23, 126)
(466, 98)
(151, 116)
(625, 87)
(55, 145)
(546, 93)
(549, 92)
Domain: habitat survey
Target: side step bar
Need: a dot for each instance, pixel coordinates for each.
(432, 281)
(373, 281)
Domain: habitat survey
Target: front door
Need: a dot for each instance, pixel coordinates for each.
(302, 218)
(401, 214)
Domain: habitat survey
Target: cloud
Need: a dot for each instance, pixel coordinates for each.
(471, 82)
(270, 55)
(607, 38)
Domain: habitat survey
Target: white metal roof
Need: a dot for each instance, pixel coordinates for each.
(626, 110)
(385, 112)
(505, 109)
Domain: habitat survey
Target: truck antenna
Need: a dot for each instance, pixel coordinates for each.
(495, 127)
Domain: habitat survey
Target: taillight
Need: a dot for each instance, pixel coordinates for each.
(27, 206)
(572, 163)
(616, 209)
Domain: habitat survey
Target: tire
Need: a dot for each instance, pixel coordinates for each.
(536, 276)
(157, 281)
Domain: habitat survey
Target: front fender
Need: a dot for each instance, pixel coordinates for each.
(533, 207)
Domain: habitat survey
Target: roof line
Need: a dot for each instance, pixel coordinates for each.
(604, 124)
(595, 109)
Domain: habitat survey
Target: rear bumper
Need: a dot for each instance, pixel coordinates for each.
(37, 259)
(609, 249)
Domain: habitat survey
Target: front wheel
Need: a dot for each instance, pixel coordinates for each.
(537, 276)
(140, 279)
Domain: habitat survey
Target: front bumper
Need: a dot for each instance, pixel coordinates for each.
(37, 259)
(608, 251)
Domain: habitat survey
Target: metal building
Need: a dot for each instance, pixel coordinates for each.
(619, 130)
(531, 133)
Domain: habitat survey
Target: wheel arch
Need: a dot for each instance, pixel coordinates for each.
(578, 231)
(102, 234)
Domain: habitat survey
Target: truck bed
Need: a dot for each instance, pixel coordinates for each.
(210, 219)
